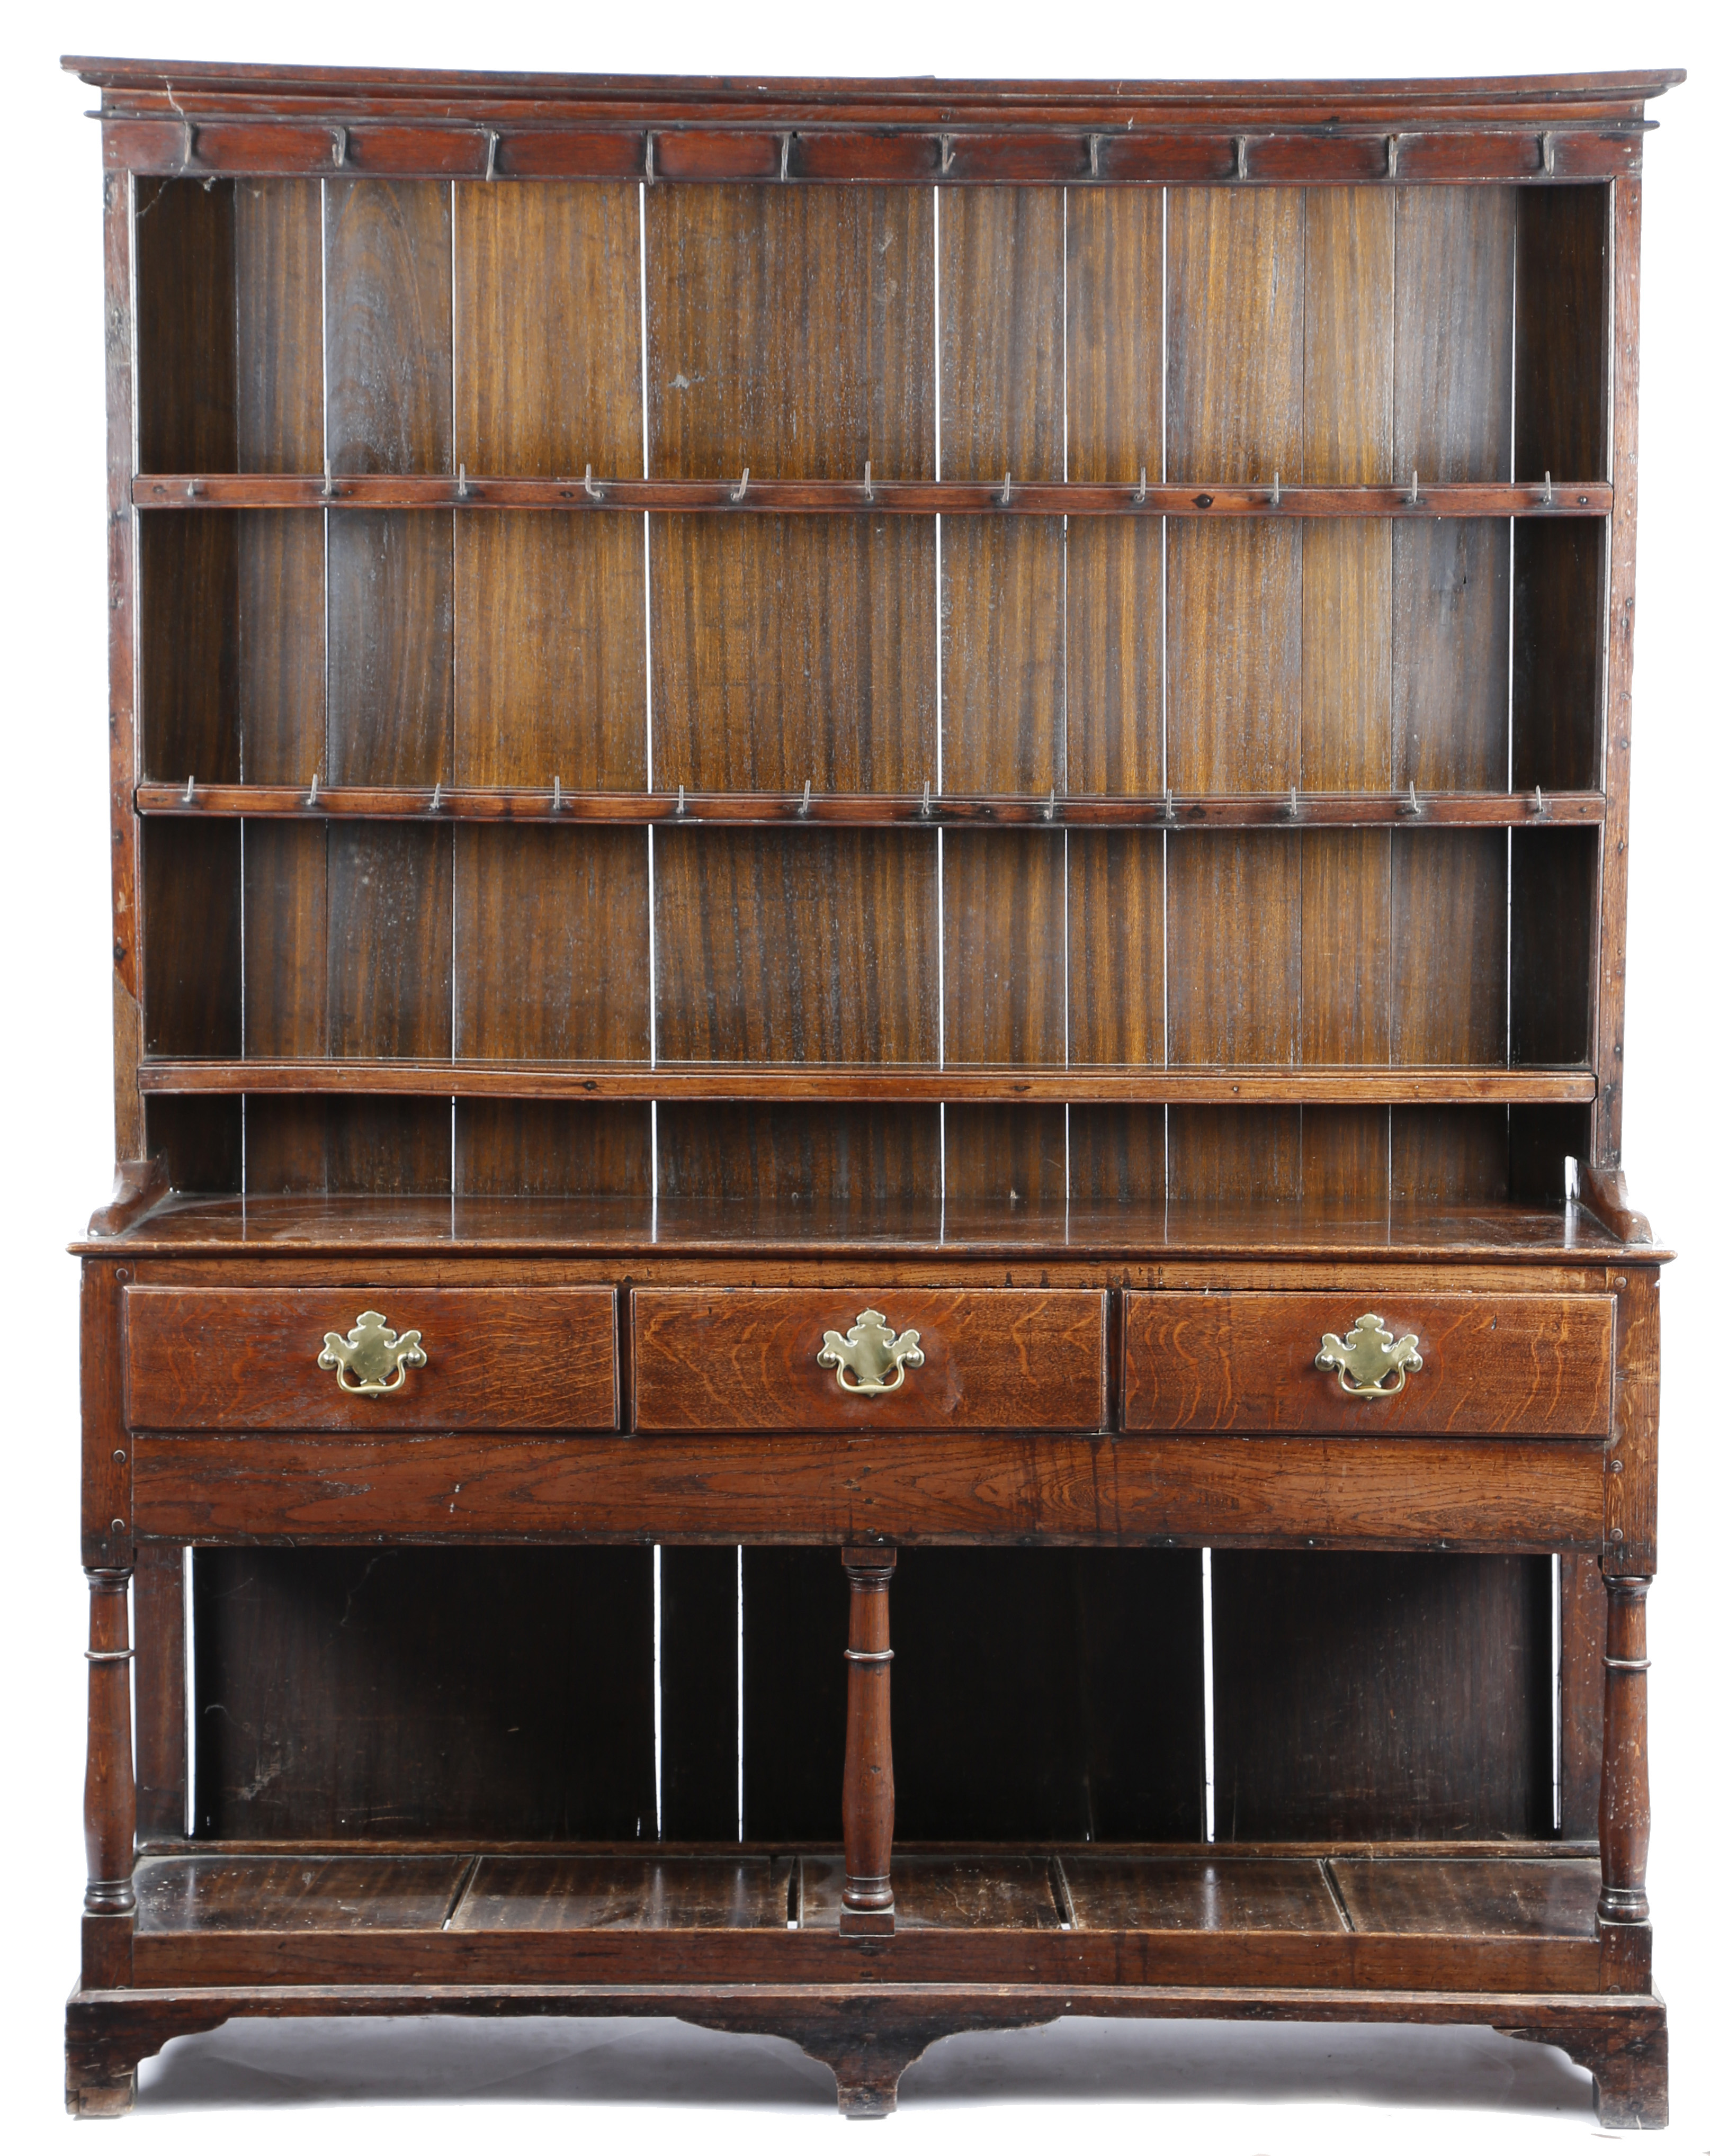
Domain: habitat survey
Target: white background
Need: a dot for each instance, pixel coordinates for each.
(444, 2084)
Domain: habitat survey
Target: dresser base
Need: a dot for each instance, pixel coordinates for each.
(868, 2033)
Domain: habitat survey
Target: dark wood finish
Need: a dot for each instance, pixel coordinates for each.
(813, 495)
(1363, 1493)
(163, 1749)
(840, 1014)
(1520, 1365)
(426, 1730)
(1624, 1813)
(1441, 1725)
(218, 1359)
(735, 1359)
(867, 1904)
(1062, 628)
(109, 1788)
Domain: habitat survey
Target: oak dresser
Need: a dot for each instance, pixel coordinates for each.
(869, 881)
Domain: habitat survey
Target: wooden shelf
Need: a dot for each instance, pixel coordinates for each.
(269, 1223)
(1387, 1917)
(535, 804)
(1179, 1085)
(854, 496)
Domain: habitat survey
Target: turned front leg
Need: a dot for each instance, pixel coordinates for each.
(1624, 1809)
(109, 1787)
(869, 1785)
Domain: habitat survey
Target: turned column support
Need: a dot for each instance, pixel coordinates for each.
(110, 1785)
(869, 1783)
(1624, 1809)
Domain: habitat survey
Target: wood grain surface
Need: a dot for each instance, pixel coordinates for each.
(223, 1359)
(1534, 1366)
(943, 1486)
(745, 1359)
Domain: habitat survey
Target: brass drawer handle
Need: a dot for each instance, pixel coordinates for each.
(377, 1356)
(1367, 1357)
(880, 1358)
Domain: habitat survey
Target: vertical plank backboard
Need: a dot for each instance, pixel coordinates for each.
(552, 943)
(796, 947)
(1393, 1695)
(1346, 579)
(1001, 391)
(186, 323)
(873, 1161)
(551, 643)
(790, 334)
(389, 409)
(422, 1727)
(1114, 356)
(554, 1149)
(388, 939)
(1454, 372)
(326, 1145)
(1235, 326)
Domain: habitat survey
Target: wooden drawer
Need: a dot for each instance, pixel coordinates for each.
(746, 1358)
(246, 1358)
(1524, 1365)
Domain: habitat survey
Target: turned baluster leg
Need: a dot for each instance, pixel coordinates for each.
(869, 1785)
(109, 1788)
(1624, 1809)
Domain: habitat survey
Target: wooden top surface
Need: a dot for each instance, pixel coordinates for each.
(544, 1227)
(187, 87)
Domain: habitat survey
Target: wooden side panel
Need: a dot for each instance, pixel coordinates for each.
(550, 649)
(1114, 269)
(162, 1757)
(1001, 295)
(552, 943)
(1403, 1697)
(811, 947)
(192, 958)
(699, 1654)
(1585, 1610)
(388, 936)
(486, 1693)
(1561, 290)
(790, 334)
(186, 318)
(1553, 916)
(389, 409)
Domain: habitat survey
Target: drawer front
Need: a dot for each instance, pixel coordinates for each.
(990, 1358)
(1524, 1365)
(497, 1358)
